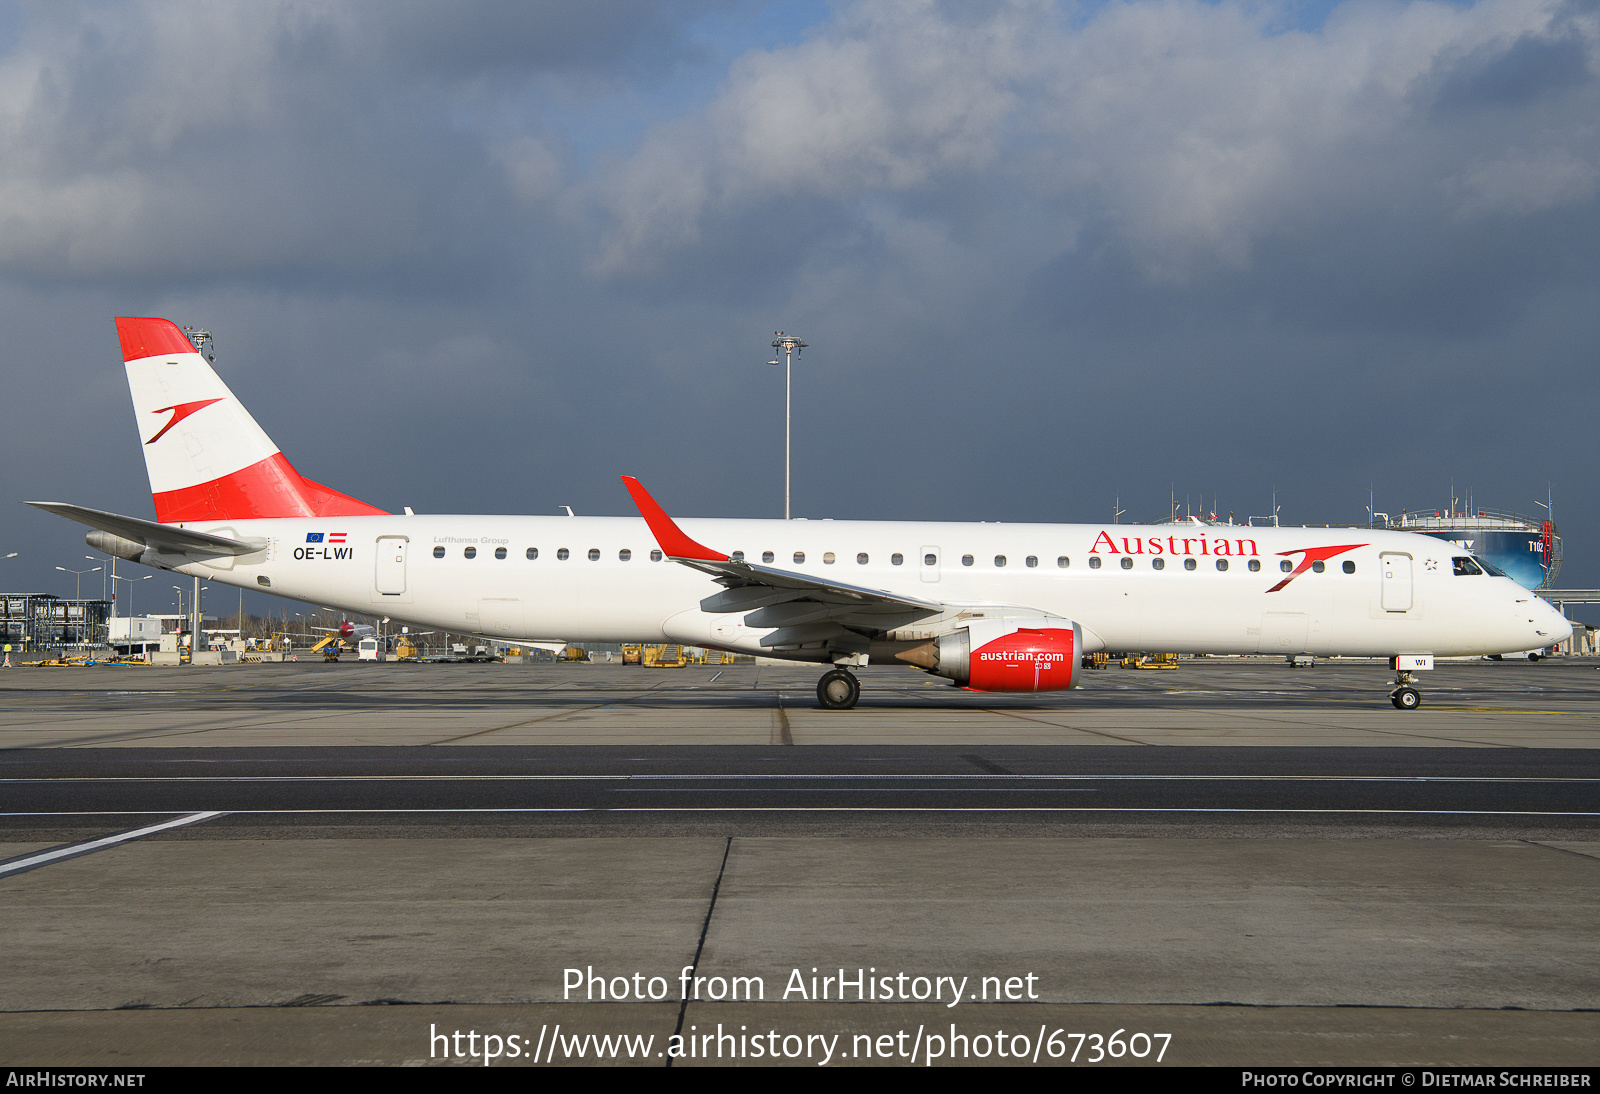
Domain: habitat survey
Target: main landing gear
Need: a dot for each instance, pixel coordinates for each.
(838, 689)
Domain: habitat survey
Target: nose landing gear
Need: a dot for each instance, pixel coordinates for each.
(1405, 697)
(838, 690)
(1406, 666)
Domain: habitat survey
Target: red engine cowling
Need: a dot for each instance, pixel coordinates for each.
(1006, 655)
(1027, 659)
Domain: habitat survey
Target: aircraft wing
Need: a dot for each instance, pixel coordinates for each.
(163, 538)
(802, 607)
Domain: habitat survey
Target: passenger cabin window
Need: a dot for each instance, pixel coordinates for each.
(1033, 560)
(1094, 562)
(767, 556)
(1158, 564)
(1285, 565)
(896, 560)
(1465, 567)
(799, 558)
(827, 558)
(563, 554)
(533, 553)
(1349, 567)
(1318, 566)
(1255, 564)
(655, 556)
(930, 560)
(471, 552)
(1222, 564)
(594, 554)
(861, 559)
(1189, 564)
(1000, 562)
(438, 552)
(1127, 563)
(624, 555)
(737, 556)
(966, 560)
(499, 552)
(1063, 562)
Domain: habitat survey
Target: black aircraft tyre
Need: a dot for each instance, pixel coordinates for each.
(1406, 699)
(838, 690)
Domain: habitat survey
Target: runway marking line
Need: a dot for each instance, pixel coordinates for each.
(1052, 777)
(23, 863)
(541, 810)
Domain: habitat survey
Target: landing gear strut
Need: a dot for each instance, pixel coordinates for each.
(838, 690)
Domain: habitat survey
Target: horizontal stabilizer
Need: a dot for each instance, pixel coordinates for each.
(162, 538)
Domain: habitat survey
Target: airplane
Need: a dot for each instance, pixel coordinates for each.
(990, 607)
(349, 631)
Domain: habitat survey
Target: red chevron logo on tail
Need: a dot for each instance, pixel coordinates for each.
(183, 410)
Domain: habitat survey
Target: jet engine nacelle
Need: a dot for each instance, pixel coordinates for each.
(1022, 654)
(108, 544)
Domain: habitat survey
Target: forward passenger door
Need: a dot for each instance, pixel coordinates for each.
(1396, 582)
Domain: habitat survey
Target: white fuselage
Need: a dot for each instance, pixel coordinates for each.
(1403, 595)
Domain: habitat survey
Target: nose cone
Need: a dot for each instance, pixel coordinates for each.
(1551, 626)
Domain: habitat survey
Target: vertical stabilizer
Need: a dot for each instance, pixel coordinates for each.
(206, 456)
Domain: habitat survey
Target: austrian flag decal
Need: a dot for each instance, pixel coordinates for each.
(332, 537)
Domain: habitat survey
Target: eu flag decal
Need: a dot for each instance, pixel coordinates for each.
(313, 537)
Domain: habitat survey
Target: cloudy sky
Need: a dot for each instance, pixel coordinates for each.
(485, 257)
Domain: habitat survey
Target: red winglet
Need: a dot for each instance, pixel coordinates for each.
(666, 531)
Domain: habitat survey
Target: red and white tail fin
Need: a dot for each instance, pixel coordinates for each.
(207, 457)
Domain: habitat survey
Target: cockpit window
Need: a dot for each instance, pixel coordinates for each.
(1465, 566)
(1492, 571)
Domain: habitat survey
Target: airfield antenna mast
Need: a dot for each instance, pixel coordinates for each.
(790, 347)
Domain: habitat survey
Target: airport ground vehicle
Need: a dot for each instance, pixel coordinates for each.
(991, 607)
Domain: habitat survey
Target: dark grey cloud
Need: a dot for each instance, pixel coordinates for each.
(1045, 257)
(1531, 68)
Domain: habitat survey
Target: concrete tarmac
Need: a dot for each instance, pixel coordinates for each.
(283, 931)
(1551, 704)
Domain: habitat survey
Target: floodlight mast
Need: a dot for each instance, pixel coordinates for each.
(790, 346)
